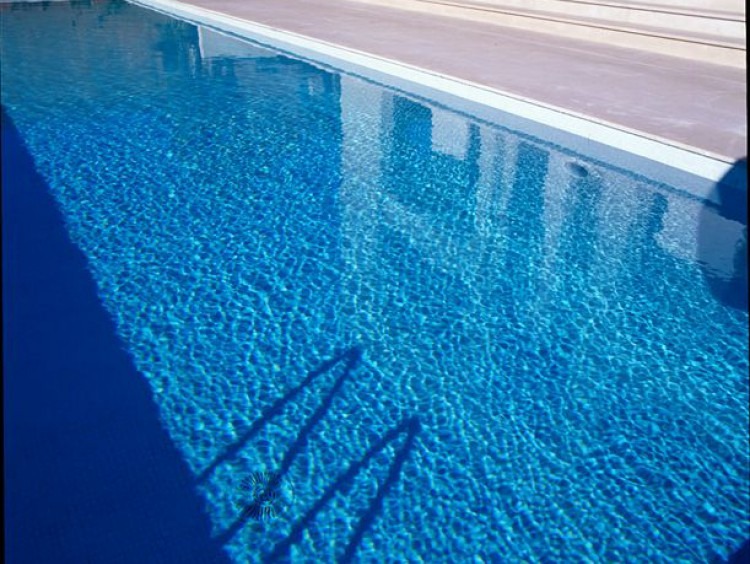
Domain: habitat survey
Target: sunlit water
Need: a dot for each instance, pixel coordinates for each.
(546, 372)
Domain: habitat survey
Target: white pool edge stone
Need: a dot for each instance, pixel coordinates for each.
(686, 168)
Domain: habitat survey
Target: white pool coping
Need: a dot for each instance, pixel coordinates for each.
(683, 167)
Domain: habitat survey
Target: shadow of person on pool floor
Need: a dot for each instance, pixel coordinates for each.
(722, 233)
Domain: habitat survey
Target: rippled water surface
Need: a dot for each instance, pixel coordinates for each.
(376, 328)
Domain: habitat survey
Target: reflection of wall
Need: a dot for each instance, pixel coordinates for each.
(214, 44)
(450, 133)
(513, 209)
(80, 32)
(395, 149)
(361, 109)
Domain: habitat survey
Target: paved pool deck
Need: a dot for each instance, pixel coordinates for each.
(696, 105)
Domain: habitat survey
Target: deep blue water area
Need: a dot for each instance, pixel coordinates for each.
(90, 473)
(256, 310)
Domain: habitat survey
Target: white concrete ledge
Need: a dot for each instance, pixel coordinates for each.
(680, 20)
(693, 37)
(682, 167)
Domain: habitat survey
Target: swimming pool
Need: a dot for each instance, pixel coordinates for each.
(370, 326)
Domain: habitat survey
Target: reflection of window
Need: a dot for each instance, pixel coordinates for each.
(527, 196)
(316, 86)
(437, 184)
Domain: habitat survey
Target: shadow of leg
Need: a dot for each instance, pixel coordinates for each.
(411, 427)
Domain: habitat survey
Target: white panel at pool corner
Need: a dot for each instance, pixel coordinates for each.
(214, 44)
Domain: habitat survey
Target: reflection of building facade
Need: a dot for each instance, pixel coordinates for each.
(509, 211)
(467, 230)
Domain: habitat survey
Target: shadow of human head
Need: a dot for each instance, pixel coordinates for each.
(722, 238)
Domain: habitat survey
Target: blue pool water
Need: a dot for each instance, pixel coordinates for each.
(258, 310)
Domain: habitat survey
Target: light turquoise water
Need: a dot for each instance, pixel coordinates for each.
(547, 371)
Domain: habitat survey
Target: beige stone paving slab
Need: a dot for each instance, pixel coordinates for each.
(695, 104)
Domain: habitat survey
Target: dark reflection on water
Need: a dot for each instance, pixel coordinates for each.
(729, 285)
